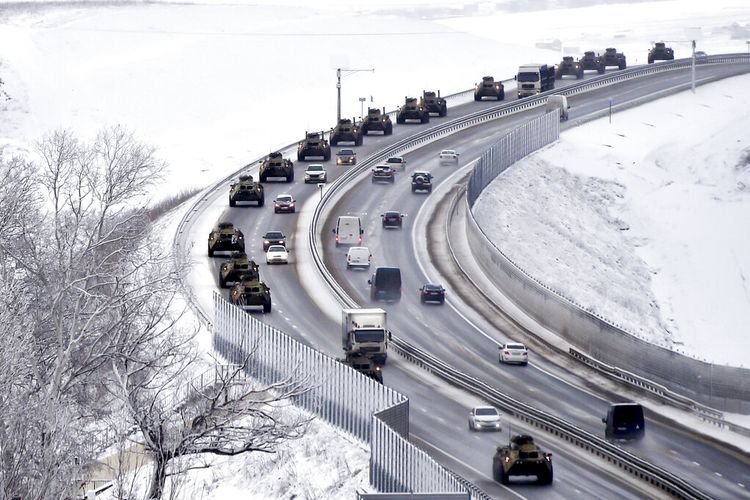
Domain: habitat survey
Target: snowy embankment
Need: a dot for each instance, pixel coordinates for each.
(644, 220)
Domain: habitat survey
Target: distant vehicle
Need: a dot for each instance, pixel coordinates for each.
(568, 66)
(448, 156)
(489, 88)
(591, 62)
(251, 292)
(348, 230)
(421, 180)
(346, 157)
(277, 254)
(534, 78)
(385, 284)
(275, 165)
(613, 58)
(364, 332)
(224, 237)
(434, 103)
(522, 457)
(412, 109)
(624, 421)
(358, 257)
(700, 53)
(237, 268)
(315, 172)
(484, 418)
(314, 145)
(377, 121)
(392, 219)
(558, 103)
(660, 52)
(346, 130)
(246, 189)
(273, 238)
(284, 203)
(432, 292)
(396, 163)
(514, 352)
(383, 173)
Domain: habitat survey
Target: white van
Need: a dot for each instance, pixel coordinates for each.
(348, 230)
(558, 103)
(358, 257)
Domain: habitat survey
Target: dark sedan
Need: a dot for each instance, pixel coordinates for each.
(432, 292)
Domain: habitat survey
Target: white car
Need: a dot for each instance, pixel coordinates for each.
(277, 254)
(484, 418)
(396, 163)
(513, 352)
(358, 257)
(449, 156)
(315, 173)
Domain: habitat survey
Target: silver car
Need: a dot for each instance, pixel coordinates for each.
(513, 352)
(484, 418)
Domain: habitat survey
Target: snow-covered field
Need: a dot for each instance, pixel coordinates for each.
(216, 84)
(644, 220)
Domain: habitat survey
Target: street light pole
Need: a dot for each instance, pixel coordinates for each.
(692, 70)
(362, 107)
(339, 73)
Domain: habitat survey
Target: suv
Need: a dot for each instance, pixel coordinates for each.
(346, 157)
(283, 203)
(660, 52)
(522, 457)
(396, 163)
(377, 121)
(412, 110)
(251, 292)
(224, 237)
(421, 181)
(246, 189)
(275, 165)
(489, 88)
(613, 58)
(392, 218)
(237, 268)
(590, 61)
(569, 67)
(432, 292)
(434, 103)
(315, 172)
(273, 238)
(385, 284)
(348, 131)
(314, 144)
(383, 173)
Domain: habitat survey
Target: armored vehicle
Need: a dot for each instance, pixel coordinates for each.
(434, 103)
(521, 458)
(246, 189)
(590, 61)
(314, 144)
(377, 121)
(489, 88)
(251, 292)
(412, 110)
(660, 52)
(421, 181)
(224, 237)
(239, 267)
(275, 165)
(365, 365)
(613, 58)
(346, 130)
(569, 67)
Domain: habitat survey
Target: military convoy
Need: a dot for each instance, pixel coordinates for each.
(591, 62)
(315, 145)
(660, 52)
(412, 110)
(275, 165)
(613, 58)
(246, 189)
(377, 121)
(522, 457)
(569, 66)
(224, 237)
(346, 131)
(251, 292)
(433, 103)
(239, 267)
(489, 88)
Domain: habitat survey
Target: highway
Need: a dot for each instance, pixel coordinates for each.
(460, 335)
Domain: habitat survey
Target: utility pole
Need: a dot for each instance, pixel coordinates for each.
(339, 73)
(692, 70)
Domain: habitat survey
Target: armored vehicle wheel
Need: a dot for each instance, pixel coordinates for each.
(400, 120)
(623, 65)
(496, 468)
(544, 477)
(232, 203)
(263, 178)
(579, 75)
(503, 476)
(650, 60)
(261, 200)
(558, 75)
(358, 141)
(600, 70)
(425, 118)
(327, 156)
(210, 251)
(222, 282)
(389, 129)
(300, 157)
(290, 177)
(365, 128)
(477, 97)
(501, 96)
(444, 111)
(267, 308)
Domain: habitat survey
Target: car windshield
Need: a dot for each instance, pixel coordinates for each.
(315, 168)
(284, 198)
(486, 412)
(515, 346)
(369, 336)
(528, 77)
(395, 160)
(277, 248)
(346, 152)
(448, 152)
(274, 235)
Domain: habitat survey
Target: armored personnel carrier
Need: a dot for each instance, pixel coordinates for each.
(377, 121)
(412, 110)
(249, 293)
(275, 165)
(314, 144)
(346, 131)
(613, 58)
(246, 189)
(660, 52)
(236, 269)
(224, 237)
(590, 61)
(489, 88)
(522, 457)
(568, 66)
(433, 103)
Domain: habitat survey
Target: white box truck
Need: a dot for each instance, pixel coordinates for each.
(364, 332)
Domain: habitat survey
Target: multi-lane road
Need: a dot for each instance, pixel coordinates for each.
(457, 333)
